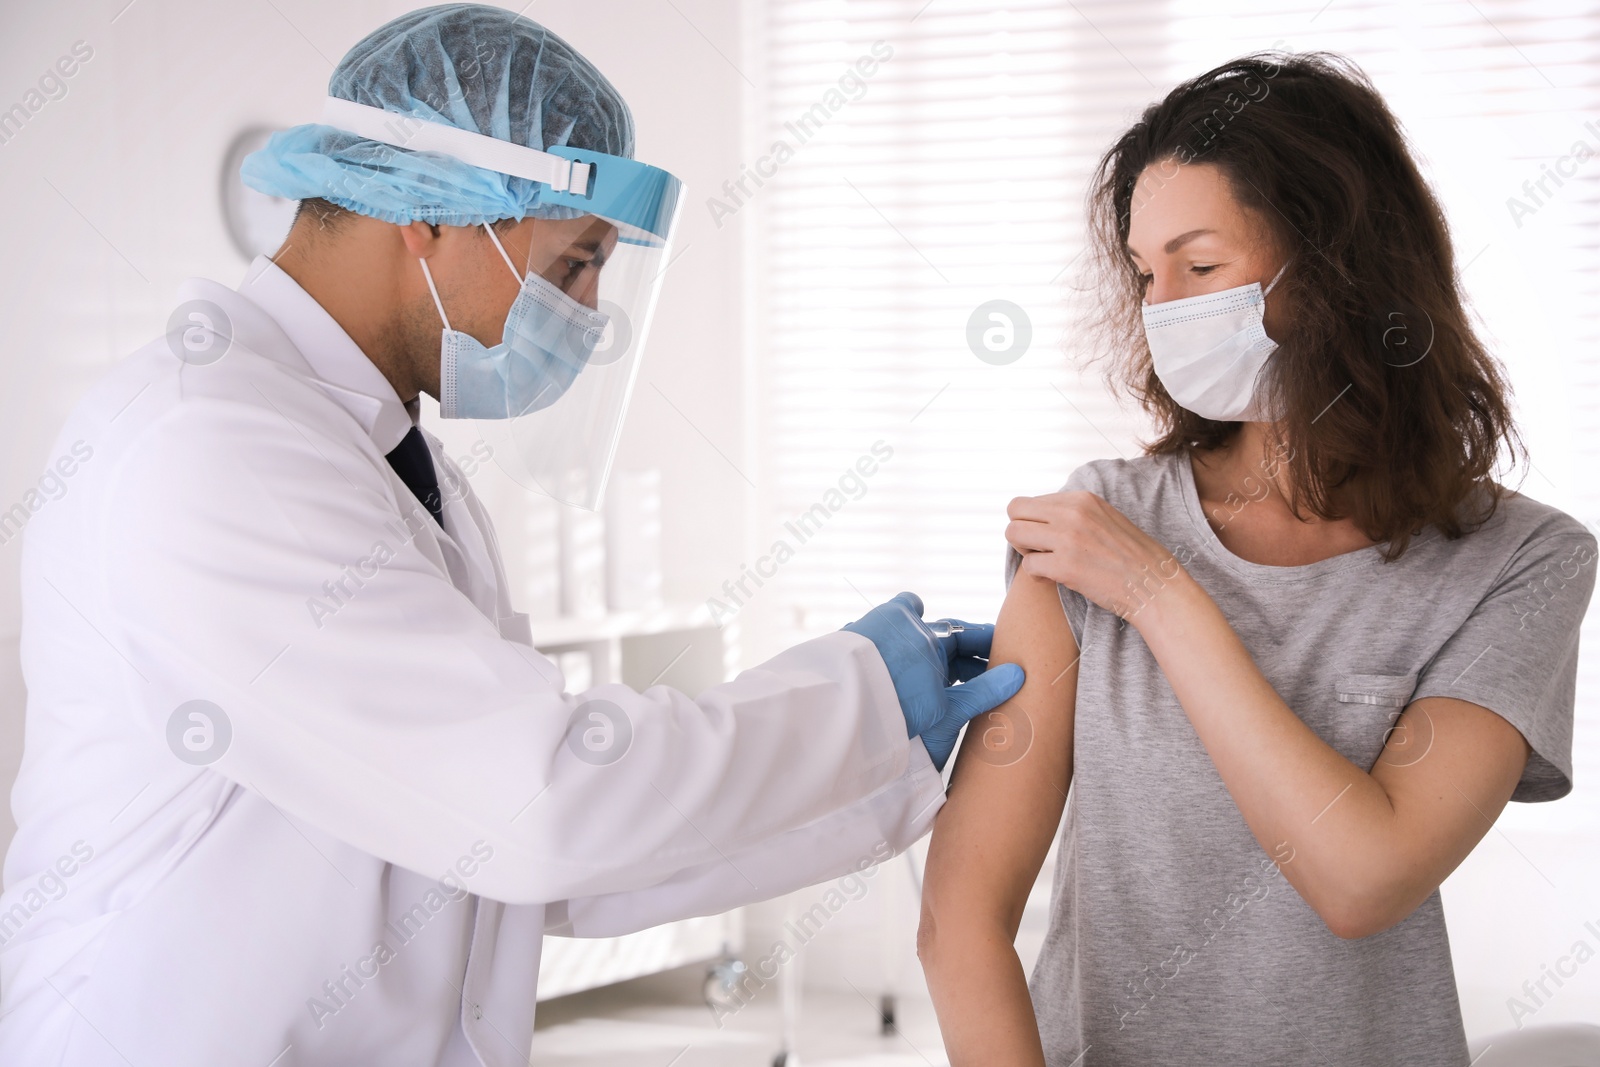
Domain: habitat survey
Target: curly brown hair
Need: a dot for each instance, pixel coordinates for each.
(1394, 411)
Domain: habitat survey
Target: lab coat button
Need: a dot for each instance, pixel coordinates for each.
(477, 1012)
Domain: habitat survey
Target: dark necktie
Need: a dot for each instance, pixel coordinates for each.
(411, 461)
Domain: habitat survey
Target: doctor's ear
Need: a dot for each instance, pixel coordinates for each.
(421, 238)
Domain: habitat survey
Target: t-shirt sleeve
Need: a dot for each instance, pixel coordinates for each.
(1074, 603)
(1517, 653)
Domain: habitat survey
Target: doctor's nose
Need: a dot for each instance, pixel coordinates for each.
(585, 288)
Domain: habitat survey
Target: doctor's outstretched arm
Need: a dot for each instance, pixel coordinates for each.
(864, 834)
(406, 725)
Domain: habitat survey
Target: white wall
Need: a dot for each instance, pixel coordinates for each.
(112, 193)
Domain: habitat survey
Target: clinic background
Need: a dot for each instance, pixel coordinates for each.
(866, 179)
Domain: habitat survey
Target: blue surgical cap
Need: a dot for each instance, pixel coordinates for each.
(474, 67)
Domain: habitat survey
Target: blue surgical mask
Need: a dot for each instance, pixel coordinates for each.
(547, 340)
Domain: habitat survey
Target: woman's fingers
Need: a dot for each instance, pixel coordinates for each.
(1052, 506)
(1046, 565)
(1027, 536)
(1023, 507)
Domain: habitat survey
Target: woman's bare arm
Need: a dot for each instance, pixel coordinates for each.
(990, 839)
(1364, 848)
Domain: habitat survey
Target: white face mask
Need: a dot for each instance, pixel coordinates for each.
(547, 340)
(1208, 350)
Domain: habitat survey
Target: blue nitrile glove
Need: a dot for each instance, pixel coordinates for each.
(925, 669)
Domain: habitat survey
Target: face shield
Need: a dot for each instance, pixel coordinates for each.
(596, 251)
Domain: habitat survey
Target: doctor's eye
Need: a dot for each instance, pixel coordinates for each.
(1204, 270)
(575, 269)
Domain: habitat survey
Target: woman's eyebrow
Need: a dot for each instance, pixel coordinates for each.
(1177, 242)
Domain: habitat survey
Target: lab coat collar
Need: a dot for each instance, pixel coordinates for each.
(271, 316)
(335, 361)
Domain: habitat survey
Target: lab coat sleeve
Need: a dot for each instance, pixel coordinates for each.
(255, 559)
(852, 839)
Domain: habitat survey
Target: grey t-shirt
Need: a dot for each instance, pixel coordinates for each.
(1173, 936)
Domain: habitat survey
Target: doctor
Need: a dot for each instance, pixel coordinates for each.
(296, 790)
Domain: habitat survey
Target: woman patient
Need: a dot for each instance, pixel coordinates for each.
(1290, 663)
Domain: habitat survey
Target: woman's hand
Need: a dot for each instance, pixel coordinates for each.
(1082, 542)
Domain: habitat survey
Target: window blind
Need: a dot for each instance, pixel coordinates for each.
(892, 198)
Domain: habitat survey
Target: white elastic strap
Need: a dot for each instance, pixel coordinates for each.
(1275, 278)
(474, 149)
(426, 273)
(502, 249)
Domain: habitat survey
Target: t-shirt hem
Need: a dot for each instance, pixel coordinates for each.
(1544, 779)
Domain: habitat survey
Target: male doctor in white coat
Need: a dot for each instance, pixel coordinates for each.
(296, 790)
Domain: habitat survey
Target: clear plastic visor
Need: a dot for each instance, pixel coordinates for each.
(564, 443)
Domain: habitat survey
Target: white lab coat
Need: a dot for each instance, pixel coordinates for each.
(365, 874)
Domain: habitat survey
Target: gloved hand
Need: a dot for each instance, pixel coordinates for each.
(926, 670)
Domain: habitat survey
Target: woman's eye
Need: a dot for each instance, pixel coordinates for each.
(1144, 279)
(1204, 270)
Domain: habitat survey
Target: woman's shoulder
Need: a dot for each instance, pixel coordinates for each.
(1143, 487)
(1519, 519)
(1521, 535)
(1523, 529)
(1535, 520)
(1113, 474)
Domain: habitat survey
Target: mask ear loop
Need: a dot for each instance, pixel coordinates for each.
(436, 301)
(1275, 278)
(502, 248)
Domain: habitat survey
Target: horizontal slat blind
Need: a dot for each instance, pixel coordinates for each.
(953, 179)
